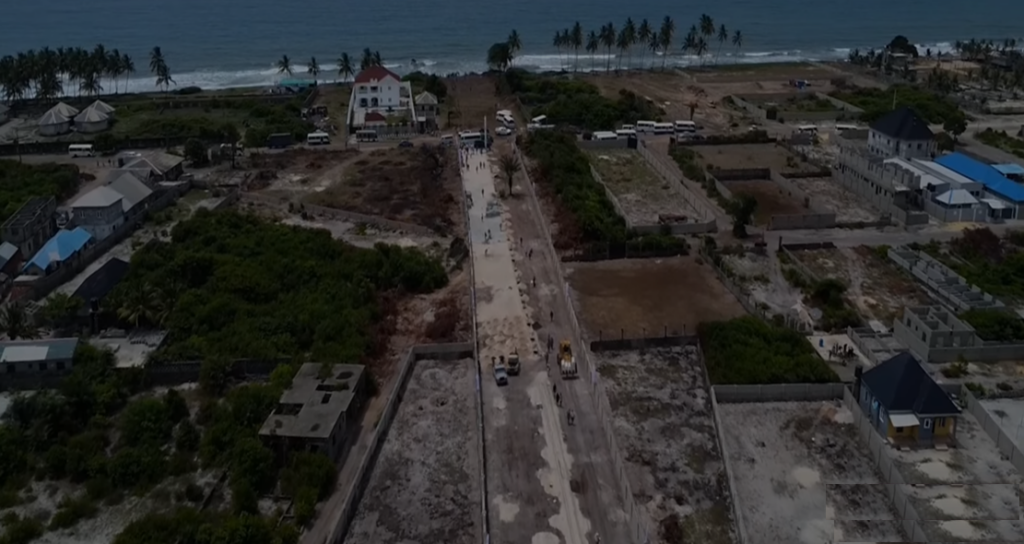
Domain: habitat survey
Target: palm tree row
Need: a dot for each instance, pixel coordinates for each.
(699, 41)
(49, 74)
(346, 64)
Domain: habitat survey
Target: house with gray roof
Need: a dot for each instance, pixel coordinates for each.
(37, 356)
(100, 211)
(901, 133)
(10, 258)
(162, 166)
(136, 194)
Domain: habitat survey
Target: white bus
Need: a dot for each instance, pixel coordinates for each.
(628, 127)
(80, 150)
(844, 128)
(605, 135)
(664, 128)
(318, 138)
(625, 133)
(645, 126)
(366, 135)
(470, 138)
(685, 126)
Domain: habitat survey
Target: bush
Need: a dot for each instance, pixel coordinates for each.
(933, 108)
(146, 422)
(18, 530)
(995, 325)
(746, 350)
(19, 182)
(578, 103)
(72, 511)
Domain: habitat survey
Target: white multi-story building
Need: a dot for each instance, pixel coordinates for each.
(901, 133)
(100, 211)
(380, 92)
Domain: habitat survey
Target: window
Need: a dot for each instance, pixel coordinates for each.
(60, 365)
(927, 423)
(10, 368)
(899, 430)
(940, 422)
(42, 367)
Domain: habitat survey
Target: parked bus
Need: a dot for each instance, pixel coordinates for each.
(645, 126)
(685, 126)
(625, 133)
(80, 150)
(366, 135)
(318, 138)
(664, 128)
(605, 135)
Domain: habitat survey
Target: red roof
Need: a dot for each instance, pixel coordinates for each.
(375, 73)
(374, 117)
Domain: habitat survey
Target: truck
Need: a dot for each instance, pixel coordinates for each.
(500, 372)
(280, 140)
(513, 364)
(566, 361)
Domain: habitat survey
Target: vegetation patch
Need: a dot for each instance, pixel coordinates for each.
(806, 103)
(232, 285)
(1001, 140)
(993, 264)
(19, 182)
(747, 350)
(578, 103)
(933, 108)
(995, 325)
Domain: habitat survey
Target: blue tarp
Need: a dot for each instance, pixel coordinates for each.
(62, 246)
(983, 174)
(1009, 169)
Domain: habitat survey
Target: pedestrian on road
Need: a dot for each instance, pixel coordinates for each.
(530, 254)
(552, 316)
(534, 281)
(558, 399)
(554, 389)
(520, 241)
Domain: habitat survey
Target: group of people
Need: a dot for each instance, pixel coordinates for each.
(571, 414)
(842, 351)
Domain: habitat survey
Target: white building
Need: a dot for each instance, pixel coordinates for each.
(379, 90)
(99, 212)
(54, 123)
(92, 120)
(901, 133)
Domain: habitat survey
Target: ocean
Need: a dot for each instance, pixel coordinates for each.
(231, 43)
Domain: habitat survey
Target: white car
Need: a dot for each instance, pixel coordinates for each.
(503, 131)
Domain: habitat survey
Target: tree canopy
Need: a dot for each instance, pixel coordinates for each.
(20, 182)
(232, 285)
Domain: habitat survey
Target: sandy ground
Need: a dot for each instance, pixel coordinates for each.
(967, 493)
(771, 199)
(734, 156)
(663, 421)
(653, 295)
(835, 198)
(762, 276)
(801, 476)
(643, 195)
(425, 485)
(1009, 414)
(879, 289)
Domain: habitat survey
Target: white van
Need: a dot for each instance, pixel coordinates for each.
(628, 127)
(447, 139)
(807, 129)
(625, 133)
(318, 138)
(539, 120)
(645, 126)
(844, 128)
(664, 128)
(507, 120)
(605, 135)
(685, 126)
(80, 150)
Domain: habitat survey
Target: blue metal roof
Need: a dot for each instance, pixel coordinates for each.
(983, 174)
(63, 245)
(56, 349)
(1009, 169)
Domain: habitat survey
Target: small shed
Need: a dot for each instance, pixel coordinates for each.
(54, 123)
(92, 120)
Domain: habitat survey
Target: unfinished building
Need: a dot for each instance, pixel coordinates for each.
(31, 226)
(936, 335)
(319, 412)
(951, 288)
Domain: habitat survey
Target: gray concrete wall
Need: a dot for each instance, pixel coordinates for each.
(737, 512)
(802, 221)
(720, 187)
(621, 143)
(631, 344)
(976, 214)
(1007, 445)
(783, 392)
(340, 215)
(751, 104)
(611, 196)
(740, 174)
(987, 352)
(952, 289)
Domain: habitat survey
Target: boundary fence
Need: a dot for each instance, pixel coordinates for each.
(1007, 445)
(640, 525)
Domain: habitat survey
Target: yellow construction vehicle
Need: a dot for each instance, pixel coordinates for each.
(566, 361)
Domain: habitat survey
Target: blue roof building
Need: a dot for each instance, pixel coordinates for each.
(1009, 169)
(63, 246)
(995, 183)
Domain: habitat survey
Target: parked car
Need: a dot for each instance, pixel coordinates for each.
(503, 131)
(500, 373)
(405, 143)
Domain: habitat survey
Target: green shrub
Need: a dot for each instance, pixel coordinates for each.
(72, 511)
(933, 108)
(746, 350)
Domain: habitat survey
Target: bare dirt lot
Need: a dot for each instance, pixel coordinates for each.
(664, 422)
(471, 98)
(967, 493)
(648, 294)
(801, 475)
(877, 288)
(771, 199)
(424, 487)
(415, 185)
(847, 206)
(642, 194)
(735, 156)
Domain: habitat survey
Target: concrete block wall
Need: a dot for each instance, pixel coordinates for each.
(1008, 447)
(621, 143)
(611, 196)
(341, 215)
(784, 392)
(953, 289)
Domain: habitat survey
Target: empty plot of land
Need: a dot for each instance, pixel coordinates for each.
(846, 205)
(641, 193)
(672, 91)
(471, 98)
(425, 485)
(738, 156)
(966, 493)
(665, 425)
(771, 199)
(415, 185)
(652, 295)
(878, 288)
(801, 475)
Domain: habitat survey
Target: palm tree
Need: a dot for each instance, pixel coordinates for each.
(284, 65)
(702, 48)
(499, 56)
(723, 36)
(643, 37)
(629, 29)
(60, 309)
(345, 68)
(90, 84)
(576, 41)
(560, 40)
(654, 45)
(737, 40)
(367, 60)
(515, 44)
(313, 68)
(127, 68)
(15, 323)
(607, 37)
(158, 65)
(690, 41)
(509, 167)
(99, 62)
(593, 43)
(622, 43)
(668, 30)
(139, 304)
(377, 59)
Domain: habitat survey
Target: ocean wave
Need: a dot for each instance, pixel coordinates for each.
(262, 77)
